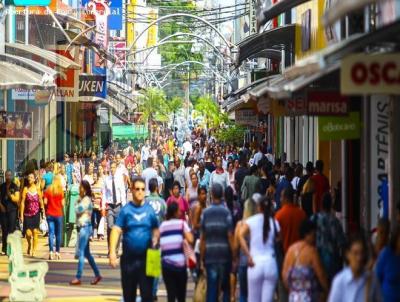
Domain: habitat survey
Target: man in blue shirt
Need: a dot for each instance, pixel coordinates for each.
(138, 223)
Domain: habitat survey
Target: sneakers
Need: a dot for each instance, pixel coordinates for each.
(51, 256)
(58, 256)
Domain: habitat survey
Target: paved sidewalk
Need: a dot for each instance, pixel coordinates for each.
(62, 271)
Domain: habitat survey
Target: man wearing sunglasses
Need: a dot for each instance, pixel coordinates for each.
(138, 224)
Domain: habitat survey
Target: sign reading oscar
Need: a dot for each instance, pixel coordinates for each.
(370, 74)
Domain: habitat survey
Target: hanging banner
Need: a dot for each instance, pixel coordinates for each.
(338, 128)
(100, 10)
(16, 125)
(153, 30)
(379, 137)
(253, 17)
(92, 88)
(118, 49)
(370, 74)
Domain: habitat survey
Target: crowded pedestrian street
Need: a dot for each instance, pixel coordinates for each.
(200, 150)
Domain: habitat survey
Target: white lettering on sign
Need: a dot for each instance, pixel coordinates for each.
(253, 17)
(316, 108)
(91, 86)
(371, 74)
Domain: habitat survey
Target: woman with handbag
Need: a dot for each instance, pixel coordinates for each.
(83, 210)
(173, 234)
(262, 272)
(54, 202)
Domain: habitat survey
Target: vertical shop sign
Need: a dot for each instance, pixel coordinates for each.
(153, 30)
(253, 17)
(115, 17)
(379, 157)
(100, 10)
(118, 49)
(67, 84)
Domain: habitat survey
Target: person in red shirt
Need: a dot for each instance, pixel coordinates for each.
(130, 158)
(321, 186)
(54, 201)
(177, 197)
(290, 217)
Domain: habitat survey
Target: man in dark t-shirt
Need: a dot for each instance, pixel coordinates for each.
(216, 245)
(9, 198)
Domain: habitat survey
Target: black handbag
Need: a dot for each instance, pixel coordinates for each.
(278, 248)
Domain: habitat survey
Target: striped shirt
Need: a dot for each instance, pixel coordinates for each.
(171, 242)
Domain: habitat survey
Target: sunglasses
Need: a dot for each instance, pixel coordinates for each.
(140, 189)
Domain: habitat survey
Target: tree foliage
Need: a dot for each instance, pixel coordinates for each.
(210, 111)
(232, 134)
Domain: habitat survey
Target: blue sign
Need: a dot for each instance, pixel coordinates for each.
(92, 87)
(115, 17)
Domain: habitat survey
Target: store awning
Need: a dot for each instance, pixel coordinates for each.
(50, 56)
(129, 132)
(48, 74)
(266, 11)
(282, 37)
(341, 8)
(13, 76)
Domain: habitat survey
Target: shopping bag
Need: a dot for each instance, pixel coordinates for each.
(200, 290)
(153, 263)
(43, 226)
(189, 254)
(100, 228)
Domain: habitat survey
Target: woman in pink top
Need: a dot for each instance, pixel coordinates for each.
(182, 202)
(31, 206)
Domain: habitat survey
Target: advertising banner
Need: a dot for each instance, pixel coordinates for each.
(370, 74)
(118, 49)
(92, 88)
(153, 30)
(16, 125)
(338, 128)
(379, 157)
(327, 103)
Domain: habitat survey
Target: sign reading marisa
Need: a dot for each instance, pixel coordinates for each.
(338, 128)
(92, 88)
(16, 125)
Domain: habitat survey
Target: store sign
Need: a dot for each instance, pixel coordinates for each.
(379, 138)
(67, 86)
(246, 117)
(338, 128)
(23, 94)
(92, 88)
(327, 103)
(152, 32)
(115, 17)
(16, 125)
(370, 74)
(296, 106)
(253, 17)
(118, 49)
(263, 105)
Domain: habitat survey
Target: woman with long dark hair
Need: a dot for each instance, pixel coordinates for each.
(83, 210)
(262, 272)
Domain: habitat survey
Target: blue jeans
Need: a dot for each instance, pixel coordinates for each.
(242, 272)
(55, 226)
(218, 276)
(84, 251)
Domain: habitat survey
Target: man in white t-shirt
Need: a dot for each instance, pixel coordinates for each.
(187, 147)
(144, 154)
(148, 174)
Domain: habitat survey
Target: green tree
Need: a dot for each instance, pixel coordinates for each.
(153, 106)
(211, 112)
(232, 134)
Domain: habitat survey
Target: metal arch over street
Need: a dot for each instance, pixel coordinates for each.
(229, 44)
(162, 42)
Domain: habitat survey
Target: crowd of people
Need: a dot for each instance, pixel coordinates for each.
(253, 222)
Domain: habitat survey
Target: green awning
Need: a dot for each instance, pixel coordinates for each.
(129, 132)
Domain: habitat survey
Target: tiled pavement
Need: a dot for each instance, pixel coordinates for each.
(62, 271)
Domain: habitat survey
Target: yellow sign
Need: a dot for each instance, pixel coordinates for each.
(130, 30)
(153, 30)
(370, 74)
